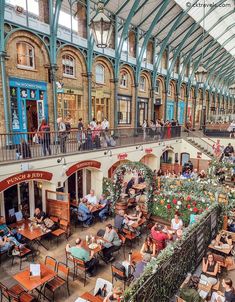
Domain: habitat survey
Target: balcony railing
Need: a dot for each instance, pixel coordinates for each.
(30, 145)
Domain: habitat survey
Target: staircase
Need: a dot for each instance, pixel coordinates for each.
(202, 143)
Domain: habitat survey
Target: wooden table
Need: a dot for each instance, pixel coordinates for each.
(138, 223)
(31, 284)
(205, 288)
(91, 298)
(95, 208)
(99, 248)
(33, 235)
(221, 250)
(141, 186)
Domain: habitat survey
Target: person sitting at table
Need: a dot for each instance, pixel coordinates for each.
(129, 185)
(91, 198)
(119, 220)
(85, 214)
(210, 269)
(80, 253)
(176, 222)
(8, 243)
(140, 265)
(160, 234)
(179, 234)
(105, 207)
(224, 239)
(5, 231)
(189, 290)
(140, 178)
(231, 225)
(137, 215)
(148, 247)
(228, 295)
(39, 215)
(113, 243)
(115, 295)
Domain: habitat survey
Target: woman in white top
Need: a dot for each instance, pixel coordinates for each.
(176, 223)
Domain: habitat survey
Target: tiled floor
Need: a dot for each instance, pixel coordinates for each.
(76, 287)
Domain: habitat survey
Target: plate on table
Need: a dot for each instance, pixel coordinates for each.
(93, 246)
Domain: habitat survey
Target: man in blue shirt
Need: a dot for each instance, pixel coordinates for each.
(5, 231)
(84, 214)
(105, 208)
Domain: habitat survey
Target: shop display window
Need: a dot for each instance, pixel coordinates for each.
(70, 105)
(124, 110)
(25, 55)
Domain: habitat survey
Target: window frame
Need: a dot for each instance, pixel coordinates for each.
(26, 56)
(128, 101)
(157, 88)
(124, 74)
(143, 89)
(103, 75)
(68, 57)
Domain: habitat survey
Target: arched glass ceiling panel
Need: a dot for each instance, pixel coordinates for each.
(197, 12)
(32, 5)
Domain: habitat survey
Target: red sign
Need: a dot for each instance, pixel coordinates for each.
(24, 176)
(122, 156)
(148, 150)
(199, 154)
(83, 164)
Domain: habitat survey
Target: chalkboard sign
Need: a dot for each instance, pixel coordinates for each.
(200, 244)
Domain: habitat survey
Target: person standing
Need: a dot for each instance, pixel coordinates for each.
(80, 132)
(144, 126)
(62, 134)
(105, 124)
(45, 140)
(159, 236)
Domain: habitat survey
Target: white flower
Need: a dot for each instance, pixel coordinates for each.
(168, 200)
(179, 202)
(177, 207)
(191, 209)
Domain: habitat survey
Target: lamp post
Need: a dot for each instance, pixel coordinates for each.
(101, 27)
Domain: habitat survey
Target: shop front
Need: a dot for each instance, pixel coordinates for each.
(82, 177)
(142, 111)
(101, 104)
(70, 105)
(28, 105)
(170, 109)
(157, 109)
(181, 108)
(23, 192)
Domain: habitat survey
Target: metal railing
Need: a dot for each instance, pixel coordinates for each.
(30, 145)
(169, 275)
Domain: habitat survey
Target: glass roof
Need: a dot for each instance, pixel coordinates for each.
(225, 13)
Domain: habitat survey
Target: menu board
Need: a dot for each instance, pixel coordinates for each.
(200, 244)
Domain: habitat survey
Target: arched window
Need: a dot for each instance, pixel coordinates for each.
(124, 80)
(142, 83)
(68, 63)
(99, 74)
(25, 55)
(170, 90)
(157, 90)
(182, 92)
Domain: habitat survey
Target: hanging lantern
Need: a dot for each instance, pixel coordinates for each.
(201, 74)
(101, 27)
(232, 90)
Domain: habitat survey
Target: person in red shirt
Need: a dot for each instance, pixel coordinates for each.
(160, 234)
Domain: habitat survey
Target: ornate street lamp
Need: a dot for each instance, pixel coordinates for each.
(232, 90)
(101, 27)
(201, 74)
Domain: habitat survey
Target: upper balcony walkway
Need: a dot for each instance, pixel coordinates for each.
(26, 146)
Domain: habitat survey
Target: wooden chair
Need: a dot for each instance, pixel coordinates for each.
(55, 219)
(178, 299)
(61, 279)
(123, 240)
(129, 235)
(17, 289)
(118, 274)
(23, 252)
(22, 297)
(63, 230)
(51, 262)
(1, 254)
(68, 258)
(79, 265)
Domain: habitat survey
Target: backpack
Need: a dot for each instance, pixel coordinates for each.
(68, 127)
(49, 224)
